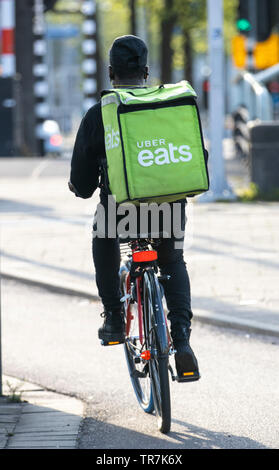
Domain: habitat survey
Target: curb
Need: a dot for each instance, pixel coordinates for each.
(66, 288)
(212, 319)
(238, 324)
(42, 419)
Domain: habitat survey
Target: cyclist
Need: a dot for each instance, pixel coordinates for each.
(128, 69)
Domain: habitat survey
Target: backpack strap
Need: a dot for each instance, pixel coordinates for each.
(104, 181)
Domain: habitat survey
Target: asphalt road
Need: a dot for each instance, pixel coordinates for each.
(35, 167)
(51, 340)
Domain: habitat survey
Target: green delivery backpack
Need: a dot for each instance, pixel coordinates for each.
(154, 144)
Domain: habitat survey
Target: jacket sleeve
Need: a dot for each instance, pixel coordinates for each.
(84, 177)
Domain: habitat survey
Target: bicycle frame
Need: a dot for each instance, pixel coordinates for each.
(139, 253)
(129, 313)
(129, 317)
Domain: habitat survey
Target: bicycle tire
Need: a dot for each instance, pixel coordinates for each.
(139, 372)
(158, 343)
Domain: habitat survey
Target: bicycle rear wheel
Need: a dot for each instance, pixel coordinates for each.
(134, 349)
(157, 343)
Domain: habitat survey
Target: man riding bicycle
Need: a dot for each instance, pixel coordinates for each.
(128, 69)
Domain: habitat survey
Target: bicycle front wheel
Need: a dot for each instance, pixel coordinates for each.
(157, 343)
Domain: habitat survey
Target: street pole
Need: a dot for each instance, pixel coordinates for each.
(89, 49)
(219, 188)
(7, 78)
(24, 68)
(40, 72)
(1, 380)
(252, 37)
(133, 17)
(8, 26)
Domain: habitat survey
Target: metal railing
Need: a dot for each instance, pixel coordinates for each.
(252, 101)
(254, 96)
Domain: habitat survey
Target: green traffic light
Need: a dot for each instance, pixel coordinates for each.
(243, 25)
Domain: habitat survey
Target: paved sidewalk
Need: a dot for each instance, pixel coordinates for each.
(39, 419)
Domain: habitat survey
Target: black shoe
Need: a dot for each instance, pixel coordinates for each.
(185, 360)
(113, 329)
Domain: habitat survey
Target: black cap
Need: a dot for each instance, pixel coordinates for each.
(128, 52)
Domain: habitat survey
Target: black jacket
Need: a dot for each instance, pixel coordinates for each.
(89, 151)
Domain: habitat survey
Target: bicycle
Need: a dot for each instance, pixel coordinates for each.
(148, 345)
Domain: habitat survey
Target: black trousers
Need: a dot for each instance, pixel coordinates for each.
(106, 256)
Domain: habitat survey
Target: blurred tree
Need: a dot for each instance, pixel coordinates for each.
(184, 31)
(177, 28)
(133, 18)
(168, 21)
(162, 13)
(115, 20)
(183, 17)
(191, 16)
(24, 69)
(69, 12)
(49, 4)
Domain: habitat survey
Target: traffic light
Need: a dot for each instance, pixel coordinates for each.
(257, 18)
(243, 22)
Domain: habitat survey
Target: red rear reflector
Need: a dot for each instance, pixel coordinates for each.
(146, 355)
(144, 256)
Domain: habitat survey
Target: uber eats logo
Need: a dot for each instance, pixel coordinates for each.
(152, 152)
(158, 152)
(112, 139)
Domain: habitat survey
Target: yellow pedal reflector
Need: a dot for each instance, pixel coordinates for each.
(188, 373)
(113, 342)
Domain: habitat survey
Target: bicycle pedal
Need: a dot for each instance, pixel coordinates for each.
(188, 377)
(111, 343)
